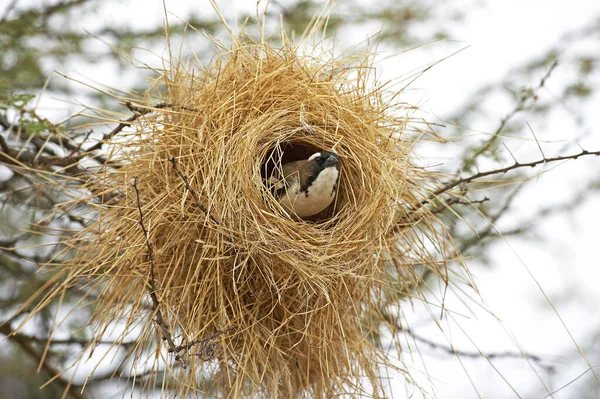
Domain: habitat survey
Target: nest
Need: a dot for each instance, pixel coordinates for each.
(190, 245)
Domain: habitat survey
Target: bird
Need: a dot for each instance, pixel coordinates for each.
(307, 187)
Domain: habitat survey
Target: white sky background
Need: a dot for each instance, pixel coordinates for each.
(502, 35)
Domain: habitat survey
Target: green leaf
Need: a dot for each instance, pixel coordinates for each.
(34, 127)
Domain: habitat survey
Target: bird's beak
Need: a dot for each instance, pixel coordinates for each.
(331, 161)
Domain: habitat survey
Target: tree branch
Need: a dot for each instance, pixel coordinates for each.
(393, 323)
(191, 190)
(478, 355)
(450, 185)
(205, 343)
(513, 112)
(457, 201)
(159, 320)
(69, 341)
(137, 112)
(25, 344)
(7, 10)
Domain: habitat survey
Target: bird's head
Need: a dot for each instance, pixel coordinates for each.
(308, 186)
(324, 159)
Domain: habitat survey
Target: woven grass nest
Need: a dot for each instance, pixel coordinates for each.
(190, 249)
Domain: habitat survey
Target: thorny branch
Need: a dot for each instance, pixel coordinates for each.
(490, 223)
(519, 107)
(173, 161)
(72, 341)
(75, 152)
(137, 112)
(476, 355)
(465, 180)
(457, 201)
(393, 323)
(7, 10)
(202, 341)
(159, 320)
(25, 344)
(412, 213)
(8, 154)
(165, 333)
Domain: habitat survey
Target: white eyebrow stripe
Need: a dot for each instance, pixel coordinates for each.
(315, 155)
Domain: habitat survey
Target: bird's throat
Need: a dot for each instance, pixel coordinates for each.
(318, 196)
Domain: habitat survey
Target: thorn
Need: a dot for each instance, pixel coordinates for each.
(536, 140)
(511, 154)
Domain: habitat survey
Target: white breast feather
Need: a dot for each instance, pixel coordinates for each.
(320, 194)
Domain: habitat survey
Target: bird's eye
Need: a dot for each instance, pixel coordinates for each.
(316, 156)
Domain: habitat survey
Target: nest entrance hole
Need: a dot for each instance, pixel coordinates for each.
(284, 153)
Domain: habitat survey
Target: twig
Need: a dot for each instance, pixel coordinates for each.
(55, 137)
(25, 344)
(7, 10)
(4, 145)
(513, 112)
(120, 371)
(475, 355)
(54, 159)
(137, 112)
(40, 142)
(159, 320)
(491, 222)
(173, 161)
(10, 243)
(70, 341)
(393, 323)
(202, 341)
(47, 12)
(9, 155)
(450, 185)
(457, 201)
